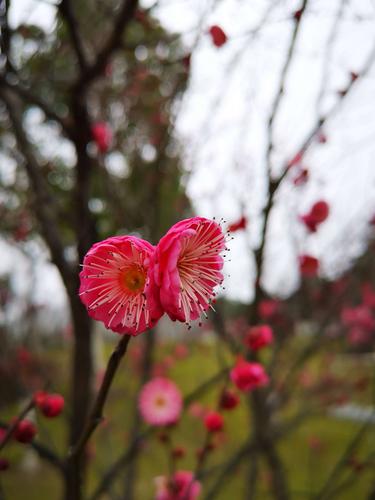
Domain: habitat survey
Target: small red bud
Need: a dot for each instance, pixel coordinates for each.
(25, 431)
(52, 405)
(213, 421)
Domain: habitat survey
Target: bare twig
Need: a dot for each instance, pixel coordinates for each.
(343, 460)
(96, 414)
(43, 452)
(66, 9)
(28, 96)
(283, 75)
(114, 42)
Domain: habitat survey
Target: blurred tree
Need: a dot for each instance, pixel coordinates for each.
(85, 124)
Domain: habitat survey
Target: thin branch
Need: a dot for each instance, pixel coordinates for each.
(43, 452)
(96, 414)
(114, 42)
(328, 51)
(228, 467)
(343, 460)
(28, 96)
(283, 76)
(65, 7)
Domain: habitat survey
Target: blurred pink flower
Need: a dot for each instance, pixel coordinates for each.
(182, 486)
(113, 282)
(186, 267)
(102, 136)
(359, 316)
(181, 351)
(268, 308)
(368, 295)
(259, 336)
(160, 402)
(196, 410)
(247, 376)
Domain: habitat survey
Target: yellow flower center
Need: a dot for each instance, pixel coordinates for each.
(134, 278)
(160, 401)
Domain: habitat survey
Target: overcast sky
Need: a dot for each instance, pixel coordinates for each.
(223, 125)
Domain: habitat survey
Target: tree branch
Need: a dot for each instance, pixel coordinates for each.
(65, 8)
(114, 42)
(28, 96)
(96, 413)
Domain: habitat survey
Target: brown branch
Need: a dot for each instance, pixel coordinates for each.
(229, 467)
(114, 42)
(96, 414)
(130, 476)
(343, 460)
(66, 10)
(28, 96)
(284, 73)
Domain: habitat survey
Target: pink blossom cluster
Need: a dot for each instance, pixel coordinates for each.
(128, 284)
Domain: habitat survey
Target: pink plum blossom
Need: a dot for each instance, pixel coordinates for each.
(247, 376)
(160, 402)
(182, 486)
(186, 268)
(113, 282)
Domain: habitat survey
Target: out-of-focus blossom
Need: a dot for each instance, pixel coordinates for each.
(238, 225)
(213, 421)
(219, 38)
(182, 486)
(308, 265)
(24, 431)
(268, 308)
(51, 405)
(102, 136)
(318, 214)
(258, 337)
(247, 376)
(228, 400)
(160, 402)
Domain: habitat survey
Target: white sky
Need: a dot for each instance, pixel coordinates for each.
(223, 126)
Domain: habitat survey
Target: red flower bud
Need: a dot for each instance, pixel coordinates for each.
(218, 36)
(52, 405)
(229, 400)
(25, 431)
(213, 421)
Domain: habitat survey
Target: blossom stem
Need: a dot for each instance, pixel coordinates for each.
(96, 414)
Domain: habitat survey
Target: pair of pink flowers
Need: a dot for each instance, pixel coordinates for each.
(128, 284)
